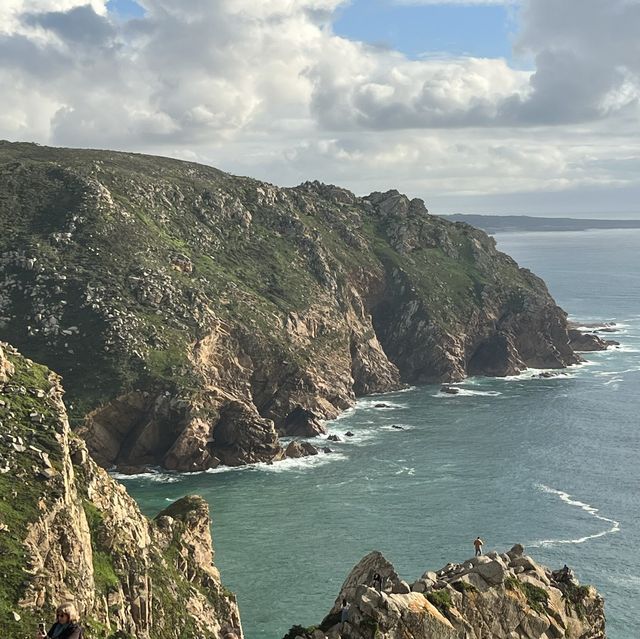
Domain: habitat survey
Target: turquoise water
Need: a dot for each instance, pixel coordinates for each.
(551, 463)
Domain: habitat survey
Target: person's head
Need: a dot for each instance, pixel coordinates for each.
(66, 613)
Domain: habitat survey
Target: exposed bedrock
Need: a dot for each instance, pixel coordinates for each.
(502, 596)
(196, 315)
(70, 532)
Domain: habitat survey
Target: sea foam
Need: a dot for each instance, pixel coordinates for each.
(591, 510)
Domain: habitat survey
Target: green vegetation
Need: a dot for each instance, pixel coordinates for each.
(299, 631)
(441, 599)
(575, 596)
(536, 597)
(463, 586)
(21, 490)
(104, 572)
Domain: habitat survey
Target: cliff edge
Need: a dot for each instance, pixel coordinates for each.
(497, 596)
(195, 316)
(70, 532)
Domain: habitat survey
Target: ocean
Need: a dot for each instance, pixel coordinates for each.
(551, 463)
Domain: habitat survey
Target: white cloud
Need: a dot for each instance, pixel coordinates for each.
(268, 89)
(459, 2)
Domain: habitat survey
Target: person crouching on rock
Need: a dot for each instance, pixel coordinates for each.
(66, 625)
(478, 545)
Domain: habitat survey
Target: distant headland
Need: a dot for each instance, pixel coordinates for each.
(505, 223)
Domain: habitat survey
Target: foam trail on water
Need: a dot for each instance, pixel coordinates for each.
(465, 392)
(566, 497)
(153, 475)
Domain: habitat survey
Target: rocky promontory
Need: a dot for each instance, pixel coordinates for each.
(195, 316)
(70, 532)
(497, 596)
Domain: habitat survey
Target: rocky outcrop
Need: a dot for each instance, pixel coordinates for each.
(196, 315)
(68, 531)
(584, 342)
(502, 596)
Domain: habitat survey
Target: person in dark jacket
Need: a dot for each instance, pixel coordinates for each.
(66, 625)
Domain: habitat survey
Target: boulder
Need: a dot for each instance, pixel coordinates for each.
(516, 551)
(493, 572)
(297, 449)
(401, 587)
(525, 562)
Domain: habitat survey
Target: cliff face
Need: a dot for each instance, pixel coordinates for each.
(69, 532)
(195, 315)
(506, 596)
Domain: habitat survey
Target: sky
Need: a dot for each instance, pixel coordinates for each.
(477, 106)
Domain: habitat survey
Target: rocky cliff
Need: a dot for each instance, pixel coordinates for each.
(497, 596)
(196, 315)
(69, 532)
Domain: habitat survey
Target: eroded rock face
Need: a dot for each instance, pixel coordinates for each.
(502, 596)
(77, 535)
(278, 301)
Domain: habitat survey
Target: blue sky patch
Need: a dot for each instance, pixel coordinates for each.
(417, 31)
(125, 8)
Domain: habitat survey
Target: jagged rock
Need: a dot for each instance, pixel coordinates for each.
(161, 578)
(349, 434)
(583, 342)
(333, 438)
(516, 551)
(466, 607)
(492, 572)
(297, 449)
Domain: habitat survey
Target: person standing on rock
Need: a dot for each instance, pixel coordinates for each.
(377, 581)
(478, 545)
(344, 614)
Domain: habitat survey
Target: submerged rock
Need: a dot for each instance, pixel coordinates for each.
(450, 390)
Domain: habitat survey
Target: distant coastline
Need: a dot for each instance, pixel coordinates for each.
(505, 223)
